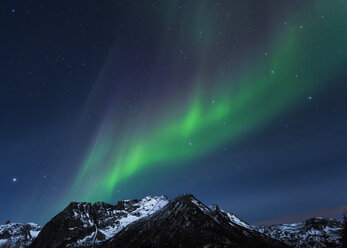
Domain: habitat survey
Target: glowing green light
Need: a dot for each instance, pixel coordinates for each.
(299, 62)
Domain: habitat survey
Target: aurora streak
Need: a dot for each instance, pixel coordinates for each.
(303, 57)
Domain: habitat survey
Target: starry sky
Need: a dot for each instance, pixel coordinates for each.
(242, 103)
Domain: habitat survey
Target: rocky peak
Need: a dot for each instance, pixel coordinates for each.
(82, 224)
(18, 235)
(312, 233)
(159, 222)
(187, 222)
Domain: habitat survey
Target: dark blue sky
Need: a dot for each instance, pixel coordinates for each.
(63, 62)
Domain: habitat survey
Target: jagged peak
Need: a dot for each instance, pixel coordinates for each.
(85, 224)
(214, 207)
(102, 205)
(185, 198)
(79, 205)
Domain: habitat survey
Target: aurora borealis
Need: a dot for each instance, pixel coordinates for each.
(157, 98)
(291, 71)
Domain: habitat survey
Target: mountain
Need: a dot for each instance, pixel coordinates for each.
(87, 225)
(186, 222)
(312, 233)
(14, 235)
(160, 222)
(344, 232)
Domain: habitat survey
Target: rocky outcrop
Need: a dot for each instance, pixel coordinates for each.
(159, 222)
(15, 235)
(87, 225)
(186, 222)
(312, 233)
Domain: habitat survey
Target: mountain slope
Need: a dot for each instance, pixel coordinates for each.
(86, 225)
(160, 222)
(186, 222)
(312, 233)
(15, 235)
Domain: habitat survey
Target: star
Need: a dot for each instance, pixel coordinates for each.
(309, 97)
(14, 179)
(190, 144)
(13, 10)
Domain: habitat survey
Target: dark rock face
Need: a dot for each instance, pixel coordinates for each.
(64, 229)
(344, 233)
(312, 233)
(14, 235)
(186, 222)
(155, 222)
(87, 225)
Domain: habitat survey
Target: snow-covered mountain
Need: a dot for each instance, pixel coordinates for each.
(312, 233)
(187, 222)
(87, 225)
(161, 222)
(15, 235)
(150, 222)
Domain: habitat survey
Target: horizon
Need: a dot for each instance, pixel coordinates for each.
(336, 213)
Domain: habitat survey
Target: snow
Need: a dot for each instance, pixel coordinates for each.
(313, 233)
(111, 220)
(34, 233)
(18, 234)
(235, 220)
(110, 231)
(85, 239)
(201, 206)
(146, 207)
(3, 241)
(118, 219)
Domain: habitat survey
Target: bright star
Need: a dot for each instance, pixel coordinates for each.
(14, 179)
(13, 10)
(309, 98)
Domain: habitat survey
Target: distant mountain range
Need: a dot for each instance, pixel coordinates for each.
(158, 222)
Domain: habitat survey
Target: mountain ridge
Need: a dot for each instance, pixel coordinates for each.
(160, 222)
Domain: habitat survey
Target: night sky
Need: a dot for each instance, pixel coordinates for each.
(242, 103)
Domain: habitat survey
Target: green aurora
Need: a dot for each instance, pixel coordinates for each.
(305, 54)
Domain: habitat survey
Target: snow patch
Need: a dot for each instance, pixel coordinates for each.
(201, 206)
